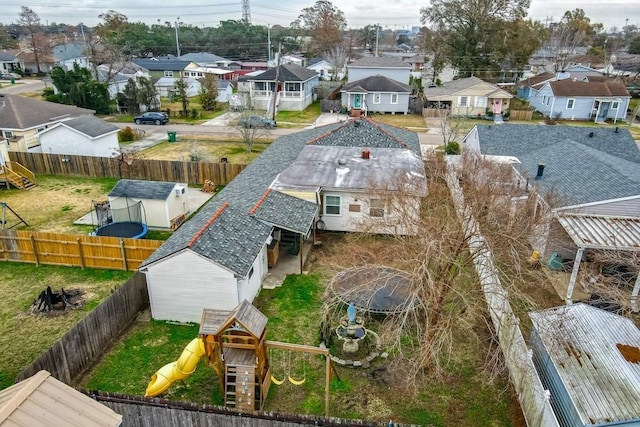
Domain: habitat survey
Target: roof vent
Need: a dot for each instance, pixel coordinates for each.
(356, 123)
(540, 170)
(342, 162)
(590, 134)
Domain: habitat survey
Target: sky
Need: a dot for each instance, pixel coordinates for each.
(392, 14)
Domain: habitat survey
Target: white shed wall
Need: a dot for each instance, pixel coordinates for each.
(182, 285)
(158, 213)
(63, 140)
(249, 287)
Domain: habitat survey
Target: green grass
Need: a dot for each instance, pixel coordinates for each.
(24, 337)
(306, 117)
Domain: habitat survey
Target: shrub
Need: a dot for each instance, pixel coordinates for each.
(126, 135)
(452, 148)
(195, 114)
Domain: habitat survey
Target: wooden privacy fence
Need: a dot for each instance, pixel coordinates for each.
(144, 412)
(520, 114)
(117, 167)
(80, 348)
(75, 250)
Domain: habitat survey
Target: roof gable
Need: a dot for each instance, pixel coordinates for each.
(377, 83)
(90, 126)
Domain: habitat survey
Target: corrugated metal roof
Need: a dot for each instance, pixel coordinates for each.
(602, 232)
(597, 358)
(44, 401)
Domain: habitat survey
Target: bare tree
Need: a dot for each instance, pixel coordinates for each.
(31, 21)
(250, 134)
(337, 58)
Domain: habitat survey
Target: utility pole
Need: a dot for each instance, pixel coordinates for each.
(377, 37)
(246, 12)
(275, 93)
(269, 41)
(177, 41)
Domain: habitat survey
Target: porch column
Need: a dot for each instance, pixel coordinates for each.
(574, 275)
(634, 295)
(301, 252)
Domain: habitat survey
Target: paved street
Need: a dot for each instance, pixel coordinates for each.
(21, 86)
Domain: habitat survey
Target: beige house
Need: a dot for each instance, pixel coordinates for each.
(470, 96)
(22, 118)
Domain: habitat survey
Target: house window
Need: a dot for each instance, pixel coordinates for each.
(168, 73)
(292, 87)
(481, 101)
(394, 98)
(614, 105)
(251, 273)
(463, 101)
(376, 208)
(8, 134)
(332, 205)
(570, 103)
(376, 98)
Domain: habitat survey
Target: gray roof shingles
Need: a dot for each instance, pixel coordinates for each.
(377, 83)
(139, 189)
(235, 237)
(17, 112)
(287, 73)
(380, 61)
(578, 168)
(296, 217)
(91, 126)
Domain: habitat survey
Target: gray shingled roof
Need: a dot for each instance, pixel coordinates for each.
(161, 64)
(454, 86)
(17, 112)
(296, 217)
(70, 50)
(203, 57)
(235, 237)
(139, 189)
(377, 83)
(7, 57)
(380, 61)
(578, 168)
(286, 73)
(91, 126)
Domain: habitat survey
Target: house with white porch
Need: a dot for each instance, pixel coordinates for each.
(470, 96)
(288, 87)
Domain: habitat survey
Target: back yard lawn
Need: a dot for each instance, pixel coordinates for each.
(206, 149)
(25, 336)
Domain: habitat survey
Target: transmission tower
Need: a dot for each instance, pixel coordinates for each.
(246, 13)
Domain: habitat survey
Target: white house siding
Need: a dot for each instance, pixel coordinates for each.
(401, 216)
(249, 287)
(398, 74)
(184, 284)
(224, 94)
(63, 140)
(628, 206)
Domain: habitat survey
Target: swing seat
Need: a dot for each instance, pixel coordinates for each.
(295, 381)
(277, 381)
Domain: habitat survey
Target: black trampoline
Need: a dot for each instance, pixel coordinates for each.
(131, 229)
(375, 289)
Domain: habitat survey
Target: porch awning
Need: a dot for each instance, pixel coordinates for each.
(286, 212)
(602, 232)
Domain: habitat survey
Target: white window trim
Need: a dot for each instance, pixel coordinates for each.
(466, 101)
(573, 103)
(482, 104)
(376, 98)
(339, 205)
(168, 73)
(616, 103)
(396, 98)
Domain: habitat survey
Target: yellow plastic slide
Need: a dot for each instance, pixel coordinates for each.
(178, 370)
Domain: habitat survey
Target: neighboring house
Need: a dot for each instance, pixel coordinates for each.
(579, 72)
(44, 400)
(589, 62)
(527, 86)
(82, 136)
(10, 64)
(29, 60)
(225, 90)
(582, 100)
(468, 97)
(166, 86)
(255, 66)
(244, 85)
(220, 256)
(287, 59)
(443, 74)
(196, 71)
(205, 59)
(326, 70)
(118, 76)
(577, 170)
(164, 204)
(68, 54)
(162, 67)
(588, 360)
(376, 94)
(291, 85)
(388, 66)
(22, 118)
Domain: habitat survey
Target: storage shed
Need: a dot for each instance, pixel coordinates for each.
(589, 360)
(162, 202)
(43, 401)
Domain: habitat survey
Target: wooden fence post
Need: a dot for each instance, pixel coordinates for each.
(35, 250)
(80, 254)
(124, 255)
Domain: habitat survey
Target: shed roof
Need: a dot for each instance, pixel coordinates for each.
(579, 168)
(286, 73)
(139, 189)
(43, 401)
(225, 231)
(377, 83)
(18, 112)
(596, 355)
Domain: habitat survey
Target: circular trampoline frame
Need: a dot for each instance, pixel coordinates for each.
(129, 229)
(375, 289)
